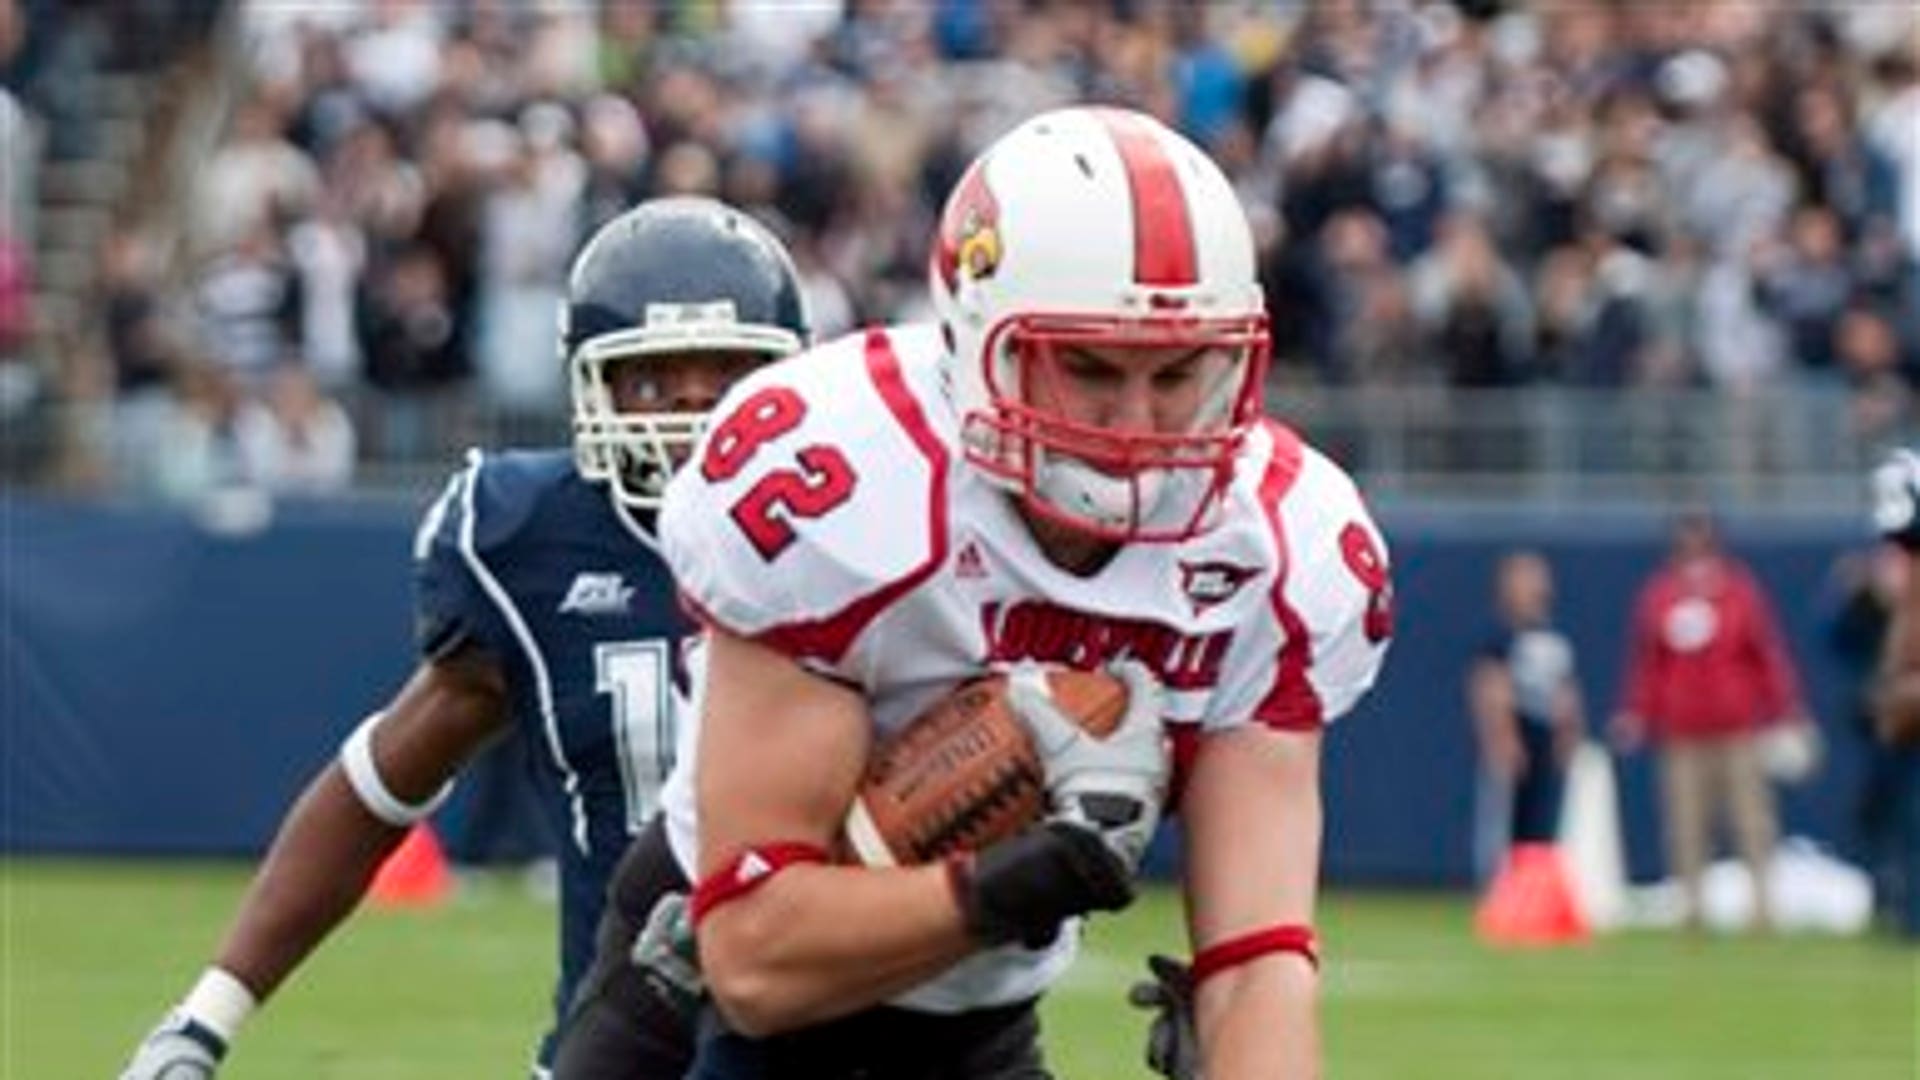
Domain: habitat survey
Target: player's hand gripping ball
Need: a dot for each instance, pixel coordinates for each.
(965, 773)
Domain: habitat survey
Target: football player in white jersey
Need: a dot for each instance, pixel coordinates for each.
(1071, 468)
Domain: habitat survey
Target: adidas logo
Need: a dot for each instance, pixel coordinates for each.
(970, 565)
(752, 867)
(597, 594)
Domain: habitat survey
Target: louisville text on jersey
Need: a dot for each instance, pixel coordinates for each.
(1047, 633)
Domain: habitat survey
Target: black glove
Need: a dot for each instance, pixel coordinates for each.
(1173, 1046)
(1896, 499)
(667, 958)
(1023, 887)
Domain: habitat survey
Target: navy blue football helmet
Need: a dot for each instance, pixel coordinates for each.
(672, 276)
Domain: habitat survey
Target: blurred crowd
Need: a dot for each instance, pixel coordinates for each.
(1459, 193)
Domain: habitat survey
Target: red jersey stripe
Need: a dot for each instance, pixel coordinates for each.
(1291, 703)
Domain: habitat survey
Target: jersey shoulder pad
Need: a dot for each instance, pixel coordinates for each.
(1334, 593)
(819, 486)
(494, 496)
(511, 489)
(484, 507)
(1304, 491)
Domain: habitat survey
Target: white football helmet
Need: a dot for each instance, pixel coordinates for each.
(1099, 227)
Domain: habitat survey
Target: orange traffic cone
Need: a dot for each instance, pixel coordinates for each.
(1531, 901)
(414, 875)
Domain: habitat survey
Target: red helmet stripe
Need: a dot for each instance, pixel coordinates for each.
(1163, 247)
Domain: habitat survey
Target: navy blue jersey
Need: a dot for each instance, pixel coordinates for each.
(523, 559)
(1539, 659)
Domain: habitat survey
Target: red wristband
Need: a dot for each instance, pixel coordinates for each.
(748, 870)
(1234, 951)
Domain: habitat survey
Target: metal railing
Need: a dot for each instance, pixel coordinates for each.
(1541, 448)
(1788, 449)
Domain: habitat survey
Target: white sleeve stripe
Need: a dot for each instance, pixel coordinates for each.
(542, 683)
(356, 760)
(436, 516)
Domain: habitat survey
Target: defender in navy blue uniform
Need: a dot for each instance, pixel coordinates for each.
(544, 614)
(522, 560)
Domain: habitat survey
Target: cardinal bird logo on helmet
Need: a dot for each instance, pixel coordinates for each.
(970, 230)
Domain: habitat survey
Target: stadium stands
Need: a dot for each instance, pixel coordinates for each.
(1538, 252)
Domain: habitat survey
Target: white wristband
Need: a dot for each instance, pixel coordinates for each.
(356, 758)
(220, 1001)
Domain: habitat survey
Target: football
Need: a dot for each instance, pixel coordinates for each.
(963, 773)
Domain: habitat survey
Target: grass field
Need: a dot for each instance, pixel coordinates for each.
(91, 952)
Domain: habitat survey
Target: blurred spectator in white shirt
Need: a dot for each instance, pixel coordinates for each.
(770, 38)
(329, 254)
(248, 300)
(1894, 126)
(252, 179)
(198, 455)
(294, 439)
(396, 61)
(527, 236)
(615, 149)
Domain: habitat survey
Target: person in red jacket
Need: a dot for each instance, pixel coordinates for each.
(1707, 676)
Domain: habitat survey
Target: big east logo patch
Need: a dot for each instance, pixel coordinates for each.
(1208, 583)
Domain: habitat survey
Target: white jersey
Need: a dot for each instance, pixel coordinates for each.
(831, 516)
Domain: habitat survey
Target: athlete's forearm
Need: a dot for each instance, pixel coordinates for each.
(319, 866)
(817, 942)
(1261, 1020)
(1257, 1018)
(392, 772)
